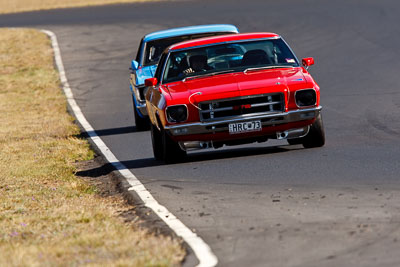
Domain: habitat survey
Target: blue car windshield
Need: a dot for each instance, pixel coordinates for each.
(229, 57)
(154, 49)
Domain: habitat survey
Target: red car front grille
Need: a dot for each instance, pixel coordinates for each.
(241, 106)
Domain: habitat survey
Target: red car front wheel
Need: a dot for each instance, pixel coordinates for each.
(315, 136)
(164, 148)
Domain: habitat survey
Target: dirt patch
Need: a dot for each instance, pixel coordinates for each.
(110, 185)
(101, 177)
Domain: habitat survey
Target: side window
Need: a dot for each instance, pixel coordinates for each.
(160, 66)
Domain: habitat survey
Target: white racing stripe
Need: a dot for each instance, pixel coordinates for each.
(202, 251)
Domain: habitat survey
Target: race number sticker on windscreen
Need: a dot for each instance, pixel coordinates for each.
(242, 127)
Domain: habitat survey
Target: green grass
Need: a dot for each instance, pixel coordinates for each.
(48, 216)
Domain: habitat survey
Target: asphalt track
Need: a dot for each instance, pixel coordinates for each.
(266, 204)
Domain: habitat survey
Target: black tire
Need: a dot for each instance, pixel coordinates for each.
(157, 142)
(142, 124)
(172, 152)
(316, 135)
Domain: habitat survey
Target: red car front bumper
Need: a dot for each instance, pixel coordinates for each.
(219, 130)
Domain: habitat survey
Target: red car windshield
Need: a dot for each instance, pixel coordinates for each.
(229, 57)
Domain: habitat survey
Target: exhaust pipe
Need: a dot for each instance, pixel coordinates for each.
(194, 145)
(293, 133)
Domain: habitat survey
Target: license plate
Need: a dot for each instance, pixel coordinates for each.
(242, 127)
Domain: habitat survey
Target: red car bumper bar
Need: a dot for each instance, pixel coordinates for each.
(223, 125)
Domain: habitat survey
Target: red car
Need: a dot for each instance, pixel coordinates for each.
(230, 90)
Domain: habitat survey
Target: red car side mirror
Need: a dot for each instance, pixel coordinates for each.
(307, 62)
(150, 82)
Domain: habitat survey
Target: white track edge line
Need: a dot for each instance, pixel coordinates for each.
(201, 249)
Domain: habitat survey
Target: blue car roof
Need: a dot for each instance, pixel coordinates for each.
(190, 30)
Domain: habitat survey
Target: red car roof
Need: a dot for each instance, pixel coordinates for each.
(222, 39)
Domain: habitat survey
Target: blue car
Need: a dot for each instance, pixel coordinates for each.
(151, 47)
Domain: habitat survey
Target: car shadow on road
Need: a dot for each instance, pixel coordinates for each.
(209, 155)
(111, 131)
(107, 168)
(238, 152)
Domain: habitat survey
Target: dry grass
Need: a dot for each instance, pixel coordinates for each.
(48, 216)
(13, 6)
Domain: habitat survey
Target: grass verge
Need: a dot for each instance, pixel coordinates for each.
(14, 6)
(48, 216)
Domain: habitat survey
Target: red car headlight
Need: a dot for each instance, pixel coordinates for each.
(177, 113)
(305, 98)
